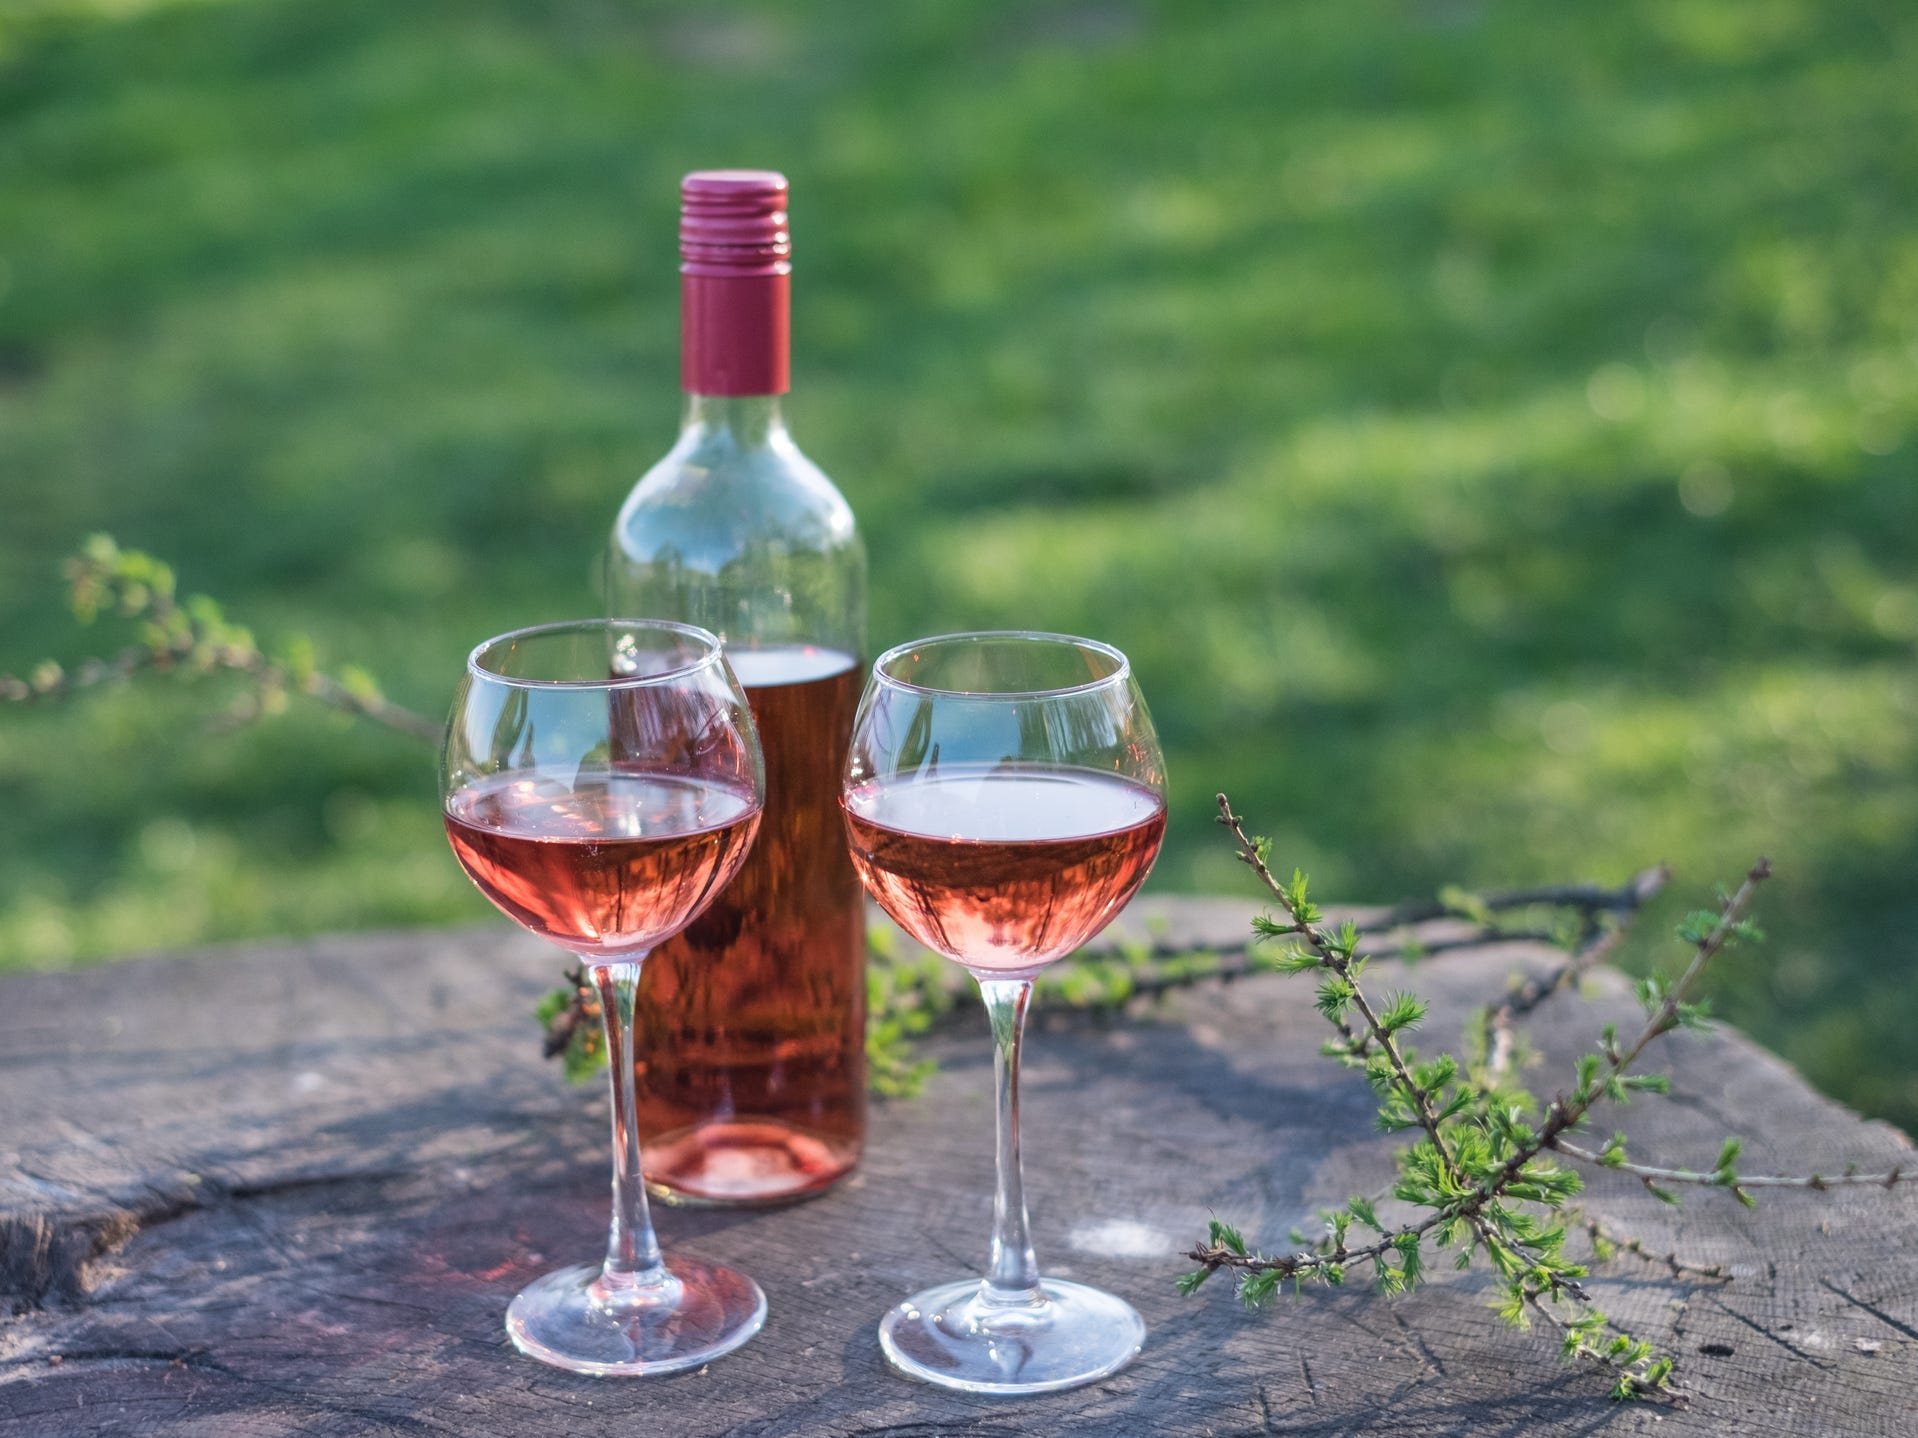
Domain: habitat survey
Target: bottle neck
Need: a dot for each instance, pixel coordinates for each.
(733, 329)
(747, 421)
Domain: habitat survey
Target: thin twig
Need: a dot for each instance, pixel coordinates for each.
(1499, 1033)
(1564, 1114)
(330, 692)
(184, 637)
(1307, 1262)
(1627, 898)
(1602, 1233)
(1595, 949)
(1229, 965)
(1329, 958)
(1215, 1256)
(1632, 1377)
(1652, 1174)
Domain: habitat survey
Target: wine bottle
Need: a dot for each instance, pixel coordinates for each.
(750, 1038)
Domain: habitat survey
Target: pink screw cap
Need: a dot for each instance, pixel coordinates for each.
(735, 282)
(733, 222)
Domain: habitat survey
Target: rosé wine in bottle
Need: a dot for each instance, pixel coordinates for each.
(1008, 868)
(752, 1080)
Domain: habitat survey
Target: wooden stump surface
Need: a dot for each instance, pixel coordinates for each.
(290, 1190)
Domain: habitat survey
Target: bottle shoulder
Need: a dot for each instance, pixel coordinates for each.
(711, 495)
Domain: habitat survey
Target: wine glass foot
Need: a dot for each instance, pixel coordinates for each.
(955, 1337)
(707, 1312)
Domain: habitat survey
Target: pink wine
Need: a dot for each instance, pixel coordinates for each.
(751, 1024)
(1006, 868)
(605, 867)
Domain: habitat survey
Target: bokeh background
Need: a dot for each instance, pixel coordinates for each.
(1491, 428)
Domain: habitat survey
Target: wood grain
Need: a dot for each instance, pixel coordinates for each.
(273, 1191)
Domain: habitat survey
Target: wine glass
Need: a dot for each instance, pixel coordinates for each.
(1004, 798)
(601, 783)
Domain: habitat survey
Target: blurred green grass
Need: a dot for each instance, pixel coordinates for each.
(1489, 428)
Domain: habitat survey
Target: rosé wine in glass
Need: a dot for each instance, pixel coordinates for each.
(601, 783)
(601, 864)
(1004, 797)
(1004, 868)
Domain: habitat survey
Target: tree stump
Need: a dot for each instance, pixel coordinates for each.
(291, 1189)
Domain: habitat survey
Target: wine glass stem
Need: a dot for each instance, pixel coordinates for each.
(1014, 1275)
(632, 1252)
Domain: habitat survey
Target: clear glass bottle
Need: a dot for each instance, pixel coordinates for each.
(752, 1023)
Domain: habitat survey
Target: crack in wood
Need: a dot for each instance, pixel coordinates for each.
(46, 1256)
(301, 1182)
(66, 1365)
(1764, 1332)
(1431, 1360)
(1876, 1312)
(1265, 1404)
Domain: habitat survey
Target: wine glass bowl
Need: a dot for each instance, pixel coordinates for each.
(601, 782)
(1039, 862)
(1004, 799)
